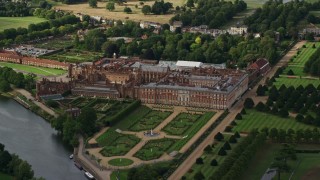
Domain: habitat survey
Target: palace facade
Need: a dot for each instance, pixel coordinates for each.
(179, 83)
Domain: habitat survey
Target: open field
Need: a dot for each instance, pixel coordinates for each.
(120, 162)
(295, 82)
(118, 13)
(309, 164)
(74, 56)
(254, 119)
(15, 22)
(33, 69)
(5, 177)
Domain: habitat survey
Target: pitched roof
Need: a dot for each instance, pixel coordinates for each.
(189, 63)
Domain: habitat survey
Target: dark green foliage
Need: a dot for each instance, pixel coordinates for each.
(93, 3)
(284, 112)
(14, 166)
(208, 149)
(218, 137)
(214, 162)
(228, 129)
(290, 72)
(199, 176)
(243, 111)
(260, 90)
(160, 7)
(299, 117)
(238, 116)
(260, 106)
(226, 146)
(127, 10)
(52, 103)
(9, 76)
(15, 8)
(199, 160)
(210, 12)
(233, 139)
(236, 134)
(146, 9)
(312, 65)
(248, 103)
(222, 152)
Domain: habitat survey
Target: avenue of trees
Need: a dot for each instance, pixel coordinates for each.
(293, 136)
(70, 127)
(312, 66)
(238, 159)
(213, 13)
(12, 165)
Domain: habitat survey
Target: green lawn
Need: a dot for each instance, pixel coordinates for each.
(33, 69)
(5, 177)
(264, 158)
(120, 162)
(295, 82)
(119, 175)
(15, 22)
(254, 119)
(181, 123)
(297, 63)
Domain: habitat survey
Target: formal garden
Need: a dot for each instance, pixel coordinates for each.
(181, 123)
(74, 56)
(154, 149)
(56, 43)
(116, 144)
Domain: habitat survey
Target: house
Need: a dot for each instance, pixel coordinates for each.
(175, 25)
(259, 68)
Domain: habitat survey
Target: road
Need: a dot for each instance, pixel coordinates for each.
(99, 173)
(30, 97)
(187, 164)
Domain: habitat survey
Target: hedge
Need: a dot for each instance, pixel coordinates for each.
(113, 120)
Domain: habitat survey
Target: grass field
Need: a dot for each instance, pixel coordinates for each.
(295, 82)
(5, 177)
(120, 162)
(15, 22)
(254, 119)
(297, 63)
(33, 69)
(264, 157)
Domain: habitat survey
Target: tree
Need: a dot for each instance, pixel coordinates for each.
(24, 171)
(52, 103)
(214, 162)
(260, 90)
(284, 112)
(93, 3)
(208, 149)
(218, 136)
(87, 119)
(190, 3)
(4, 86)
(232, 139)
(222, 152)
(127, 10)
(248, 103)
(236, 134)
(273, 134)
(110, 6)
(290, 72)
(146, 9)
(238, 116)
(226, 146)
(5, 158)
(243, 111)
(199, 176)
(260, 106)
(199, 160)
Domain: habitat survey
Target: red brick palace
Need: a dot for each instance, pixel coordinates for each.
(183, 83)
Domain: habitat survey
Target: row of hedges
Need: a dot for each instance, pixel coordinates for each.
(184, 156)
(237, 162)
(113, 120)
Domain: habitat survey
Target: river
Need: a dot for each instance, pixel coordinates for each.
(32, 138)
